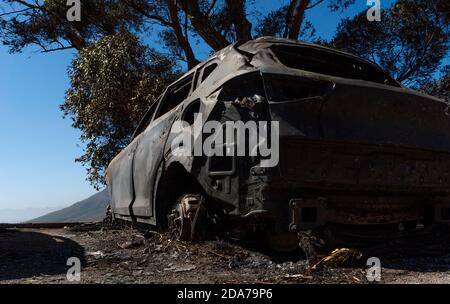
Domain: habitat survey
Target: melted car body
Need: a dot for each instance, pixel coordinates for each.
(355, 147)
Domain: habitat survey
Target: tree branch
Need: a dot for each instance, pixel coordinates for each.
(16, 12)
(58, 49)
(74, 36)
(182, 40)
(236, 12)
(202, 26)
(28, 5)
(140, 10)
(413, 68)
(211, 7)
(297, 8)
(314, 4)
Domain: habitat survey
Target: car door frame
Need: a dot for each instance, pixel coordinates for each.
(143, 206)
(122, 166)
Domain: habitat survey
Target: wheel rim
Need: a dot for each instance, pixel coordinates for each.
(179, 224)
(184, 217)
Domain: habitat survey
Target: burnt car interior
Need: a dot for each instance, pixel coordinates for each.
(329, 63)
(288, 88)
(175, 96)
(146, 119)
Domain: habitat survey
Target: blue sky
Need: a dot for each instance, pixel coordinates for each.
(38, 146)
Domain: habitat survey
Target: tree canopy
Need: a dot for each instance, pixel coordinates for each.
(410, 42)
(441, 86)
(177, 22)
(113, 83)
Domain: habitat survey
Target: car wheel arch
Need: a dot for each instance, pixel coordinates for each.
(172, 181)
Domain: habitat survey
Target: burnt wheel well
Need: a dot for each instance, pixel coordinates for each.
(174, 182)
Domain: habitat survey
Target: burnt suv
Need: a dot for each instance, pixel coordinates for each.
(356, 149)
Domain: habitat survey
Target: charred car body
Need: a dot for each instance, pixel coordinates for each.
(356, 149)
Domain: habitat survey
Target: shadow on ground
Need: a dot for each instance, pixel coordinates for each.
(24, 254)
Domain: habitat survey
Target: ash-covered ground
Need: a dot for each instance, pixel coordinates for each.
(116, 255)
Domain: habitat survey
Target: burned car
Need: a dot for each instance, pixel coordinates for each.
(356, 151)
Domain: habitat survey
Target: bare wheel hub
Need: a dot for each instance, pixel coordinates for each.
(186, 215)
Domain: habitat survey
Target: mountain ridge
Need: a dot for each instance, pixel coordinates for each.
(91, 209)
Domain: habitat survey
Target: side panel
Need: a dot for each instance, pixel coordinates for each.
(121, 182)
(148, 156)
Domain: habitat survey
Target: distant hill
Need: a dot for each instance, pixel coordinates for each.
(91, 209)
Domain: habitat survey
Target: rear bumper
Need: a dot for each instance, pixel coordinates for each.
(295, 214)
(319, 182)
(308, 214)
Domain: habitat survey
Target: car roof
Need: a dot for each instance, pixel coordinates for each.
(266, 42)
(252, 46)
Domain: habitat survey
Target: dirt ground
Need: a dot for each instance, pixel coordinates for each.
(112, 255)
